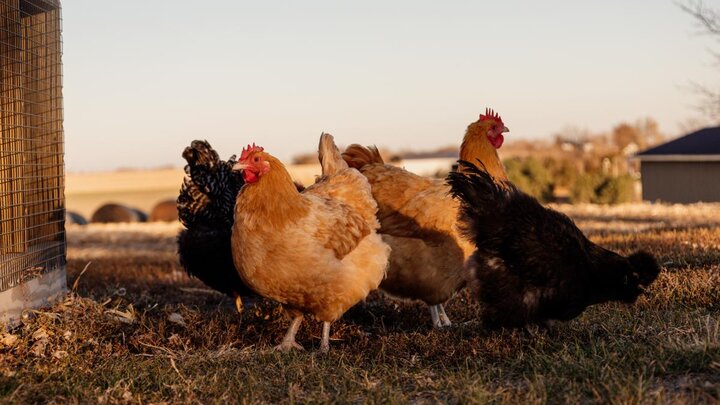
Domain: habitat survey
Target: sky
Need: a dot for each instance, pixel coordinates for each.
(143, 78)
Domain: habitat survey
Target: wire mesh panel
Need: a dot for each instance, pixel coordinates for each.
(32, 240)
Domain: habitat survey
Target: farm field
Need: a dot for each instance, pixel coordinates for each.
(142, 189)
(136, 329)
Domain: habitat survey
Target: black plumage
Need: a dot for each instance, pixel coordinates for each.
(205, 207)
(533, 264)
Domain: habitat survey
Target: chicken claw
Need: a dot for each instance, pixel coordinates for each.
(288, 346)
(443, 316)
(435, 315)
(288, 343)
(439, 317)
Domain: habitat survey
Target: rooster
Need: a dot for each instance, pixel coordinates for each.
(418, 219)
(532, 264)
(315, 252)
(205, 207)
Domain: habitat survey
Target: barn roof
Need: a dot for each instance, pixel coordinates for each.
(702, 145)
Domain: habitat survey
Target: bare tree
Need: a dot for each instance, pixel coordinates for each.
(708, 20)
(649, 132)
(644, 133)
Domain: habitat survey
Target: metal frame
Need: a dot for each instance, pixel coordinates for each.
(32, 201)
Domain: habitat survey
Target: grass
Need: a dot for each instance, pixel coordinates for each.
(137, 330)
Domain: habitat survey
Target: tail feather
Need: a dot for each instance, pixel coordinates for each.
(329, 155)
(208, 192)
(358, 156)
(200, 153)
(478, 190)
(482, 200)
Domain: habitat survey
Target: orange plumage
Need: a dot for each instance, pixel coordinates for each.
(418, 218)
(315, 252)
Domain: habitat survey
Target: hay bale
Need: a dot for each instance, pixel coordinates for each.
(142, 215)
(164, 211)
(112, 213)
(73, 218)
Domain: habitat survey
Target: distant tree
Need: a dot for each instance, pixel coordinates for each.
(442, 152)
(693, 124)
(708, 20)
(305, 159)
(572, 135)
(564, 171)
(600, 189)
(649, 131)
(644, 133)
(531, 176)
(583, 191)
(624, 134)
(615, 190)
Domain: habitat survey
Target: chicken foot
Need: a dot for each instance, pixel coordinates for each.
(288, 343)
(443, 316)
(435, 315)
(439, 317)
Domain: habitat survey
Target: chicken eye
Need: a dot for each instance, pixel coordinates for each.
(256, 159)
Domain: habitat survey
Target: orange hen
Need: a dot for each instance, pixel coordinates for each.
(418, 218)
(316, 252)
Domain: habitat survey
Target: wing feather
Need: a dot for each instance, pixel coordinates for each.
(410, 205)
(347, 198)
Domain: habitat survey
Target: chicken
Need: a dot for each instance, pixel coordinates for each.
(205, 207)
(418, 219)
(532, 264)
(315, 252)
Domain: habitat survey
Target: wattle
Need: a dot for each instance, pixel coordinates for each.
(496, 141)
(250, 177)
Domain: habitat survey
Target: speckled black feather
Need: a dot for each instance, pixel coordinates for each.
(207, 196)
(533, 264)
(205, 207)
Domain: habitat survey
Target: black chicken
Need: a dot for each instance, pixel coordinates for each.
(533, 264)
(205, 207)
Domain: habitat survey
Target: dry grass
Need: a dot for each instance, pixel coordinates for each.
(137, 330)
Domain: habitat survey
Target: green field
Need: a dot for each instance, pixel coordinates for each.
(137, 330)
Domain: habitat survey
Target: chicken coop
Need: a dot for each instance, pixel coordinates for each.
(32, 237)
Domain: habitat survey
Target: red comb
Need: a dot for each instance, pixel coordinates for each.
(250, 149)
(490, 114)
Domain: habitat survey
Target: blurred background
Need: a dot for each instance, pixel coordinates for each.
(582, 86)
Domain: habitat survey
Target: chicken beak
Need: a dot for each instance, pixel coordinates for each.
(505, 129)
(238, 167)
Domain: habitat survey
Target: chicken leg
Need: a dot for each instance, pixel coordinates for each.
(288, 343)
(443, 316)
(238, 303)
(325, 342)
(439, 317)
(435, 315)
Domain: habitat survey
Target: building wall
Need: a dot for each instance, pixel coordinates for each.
(681, 182)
